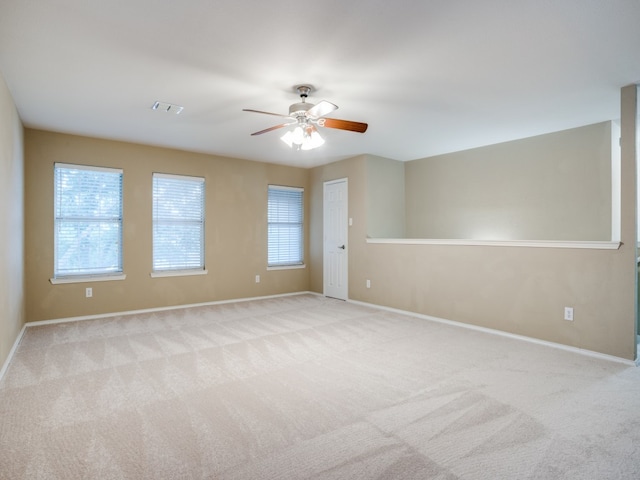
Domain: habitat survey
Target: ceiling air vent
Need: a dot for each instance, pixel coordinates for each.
(167, 107)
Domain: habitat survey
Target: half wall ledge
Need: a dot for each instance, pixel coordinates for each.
(592, 245)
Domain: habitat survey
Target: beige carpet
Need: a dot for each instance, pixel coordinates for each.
(305, 387)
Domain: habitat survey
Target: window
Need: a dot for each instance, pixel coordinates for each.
(88, 221)
(285, 226)
(178, 223)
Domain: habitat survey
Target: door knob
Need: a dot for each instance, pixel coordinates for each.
(341, 246)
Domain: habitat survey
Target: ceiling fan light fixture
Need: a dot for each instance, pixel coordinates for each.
(306, 116)
(297, 136)
(288, 139)
(312, 141)
(302, 138)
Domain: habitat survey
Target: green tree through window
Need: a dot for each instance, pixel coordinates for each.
(88, 220)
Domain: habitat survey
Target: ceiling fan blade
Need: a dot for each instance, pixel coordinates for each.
(266, 113)
(343, 125)
(270, 129)
(321, 109)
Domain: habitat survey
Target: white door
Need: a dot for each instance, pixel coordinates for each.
(336, 248)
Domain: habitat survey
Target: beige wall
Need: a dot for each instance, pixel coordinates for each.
(549, 187)
(235, 231)
(354, 170)
(386, 198)
(11, 223)
(514, 289)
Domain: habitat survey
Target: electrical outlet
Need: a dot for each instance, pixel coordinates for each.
(368, 283)
(568, 313)
(88, 292)
(257, 278)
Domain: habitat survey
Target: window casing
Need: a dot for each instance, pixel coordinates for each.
(285, 213)
(178, 223)
(87, 221)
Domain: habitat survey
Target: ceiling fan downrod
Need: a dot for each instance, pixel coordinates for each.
(303, 91)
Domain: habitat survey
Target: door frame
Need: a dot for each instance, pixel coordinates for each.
(344, 180)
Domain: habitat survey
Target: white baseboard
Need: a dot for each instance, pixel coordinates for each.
(54, 321)
(560, 346)
(5, 366)
(157, 309)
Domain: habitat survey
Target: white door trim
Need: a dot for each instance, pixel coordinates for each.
(335, 262)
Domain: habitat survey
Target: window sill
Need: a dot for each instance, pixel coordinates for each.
(178, 273)
(286, 267)
(594, 245)
(87, 278)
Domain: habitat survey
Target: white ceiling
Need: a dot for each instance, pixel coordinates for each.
(429, 76)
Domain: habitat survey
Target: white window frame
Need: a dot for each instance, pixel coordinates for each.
(173, 271)
(106, 274)
(282, 265)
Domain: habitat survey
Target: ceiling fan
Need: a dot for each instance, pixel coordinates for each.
(306, 117)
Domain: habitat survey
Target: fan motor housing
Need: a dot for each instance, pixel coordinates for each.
(299, 108)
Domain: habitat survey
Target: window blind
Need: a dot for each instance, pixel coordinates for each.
(285, 226)
(178, 222)
(87, 220)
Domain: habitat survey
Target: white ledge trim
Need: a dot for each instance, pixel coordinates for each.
(88, 278)
(594, 245)
(178, 273)
(286, 267)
